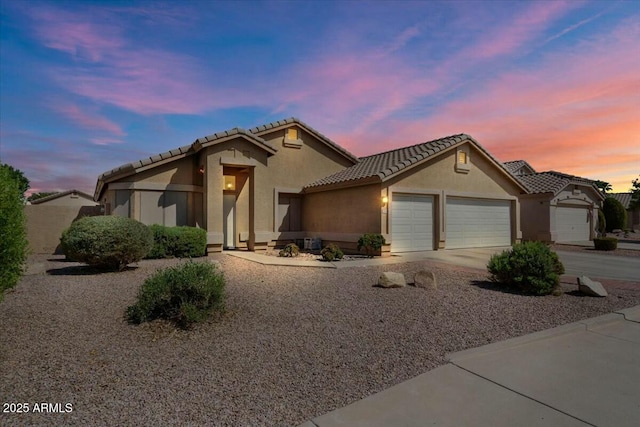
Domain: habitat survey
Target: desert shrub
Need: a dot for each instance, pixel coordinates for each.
(371, 242)
(184, 294)
(615, 214)
(13, 234)
(602, 223)
(605, 244)
(110, 242)
(531, 267)
(291, 250)
(178, 242)
(332, 252)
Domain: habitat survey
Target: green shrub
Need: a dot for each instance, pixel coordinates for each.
(531, 267)
(605, 244)
(178, 242)
(13, 234)
(615, 214)
(332, 252)
(291, 250)
(184, 295)
(110, 242)
(371, 242)
(602, 223)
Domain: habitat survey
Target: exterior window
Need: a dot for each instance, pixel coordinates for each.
(121, 203)
(165, 208)
(289, 212)
(462, 160)
(292, 133)
(462, 157)
(292, 138)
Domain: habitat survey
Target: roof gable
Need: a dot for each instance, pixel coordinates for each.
(283, 124)
(383, 166)
(519, 167)
(62, 194)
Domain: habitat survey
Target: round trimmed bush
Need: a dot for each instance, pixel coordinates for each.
(615, 214)
(291, 250)
(531, 267)
(109, 242)
(332, 252)
(184, 295)
(605, 244)
(178, 242)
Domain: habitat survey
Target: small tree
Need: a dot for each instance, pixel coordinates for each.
(615, 214)
(635, 194)
(13, 234)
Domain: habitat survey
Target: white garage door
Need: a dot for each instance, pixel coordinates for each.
(411, 223)
(476, 223)
(572, 224)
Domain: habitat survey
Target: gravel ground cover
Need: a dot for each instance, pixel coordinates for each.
(293, 344)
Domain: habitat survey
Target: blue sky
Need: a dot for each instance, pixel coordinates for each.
(88, 85)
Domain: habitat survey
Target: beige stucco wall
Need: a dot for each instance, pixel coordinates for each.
(45, 224)
(438, 177)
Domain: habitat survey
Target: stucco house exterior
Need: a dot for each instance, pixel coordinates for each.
(633, 214)
(276, 183)
(558, 207)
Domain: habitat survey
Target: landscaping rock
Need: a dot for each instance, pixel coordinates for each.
(389, 279)
(425, 279)
(589, 287)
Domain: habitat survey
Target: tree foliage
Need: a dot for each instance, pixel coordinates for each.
(635, 193)
(615, 214)
(603, 186)
(40, 195)
(13, 240)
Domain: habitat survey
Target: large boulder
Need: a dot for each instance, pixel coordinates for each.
(425, 279)
(589, 287)
(389, 279)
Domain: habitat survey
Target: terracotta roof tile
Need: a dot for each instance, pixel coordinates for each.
(551, 181)
(391, 162)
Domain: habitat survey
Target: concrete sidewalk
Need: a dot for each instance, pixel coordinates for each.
(584, 373)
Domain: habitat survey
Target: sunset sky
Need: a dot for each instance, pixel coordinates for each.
(86, 86)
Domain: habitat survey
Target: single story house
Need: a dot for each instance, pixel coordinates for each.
(284, 181)
(633, 214)
(558, 207)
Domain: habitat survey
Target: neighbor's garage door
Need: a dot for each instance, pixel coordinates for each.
(476, 223)
(411, 223)
(572, 224)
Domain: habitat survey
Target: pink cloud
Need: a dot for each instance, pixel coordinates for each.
(89, 121)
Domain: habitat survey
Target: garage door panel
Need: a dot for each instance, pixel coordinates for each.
(411, 223)
(475, 223)
(572, 224)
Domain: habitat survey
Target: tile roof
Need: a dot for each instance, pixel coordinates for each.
(384, 165)
(251, 134)
(295, 120)
(514, 165)
(552, 182)
(624, 198)
(61, 194)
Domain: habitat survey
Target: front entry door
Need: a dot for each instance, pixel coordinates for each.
(229, 220)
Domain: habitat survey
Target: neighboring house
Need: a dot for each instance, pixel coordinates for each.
(558, 207)
(633, 215)
(286, 181)
(49, 216)
(67, 198)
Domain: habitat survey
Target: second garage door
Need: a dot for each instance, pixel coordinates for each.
(572, 224)
(411, 223)
(476, 223)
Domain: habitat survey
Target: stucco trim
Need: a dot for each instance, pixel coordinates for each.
(155, 186)
(238, 161)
